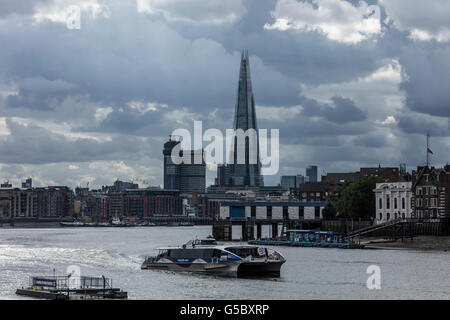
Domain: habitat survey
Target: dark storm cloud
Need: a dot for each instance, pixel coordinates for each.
(422, 124)
(39, 93)
(427, 67)
(342, 111)
(88, 77)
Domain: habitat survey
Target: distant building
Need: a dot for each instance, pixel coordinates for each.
(314, 192)
(186, 177)
(28, 184)
(6, 185)
(122, 185)
(246, 174)
(311, 173)
(393, 201)
(171, 170)
(193, 175)
(145, 203)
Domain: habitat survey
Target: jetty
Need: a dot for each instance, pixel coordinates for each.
(71, 288)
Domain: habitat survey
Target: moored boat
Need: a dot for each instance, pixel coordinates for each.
(71, 224)
(205, 256)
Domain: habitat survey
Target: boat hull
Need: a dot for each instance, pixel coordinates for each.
(236, 269)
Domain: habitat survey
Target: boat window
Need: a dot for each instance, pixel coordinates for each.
(208, 242)
(193, 253)
(244, 252)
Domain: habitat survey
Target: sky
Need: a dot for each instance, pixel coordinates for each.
(349, 84)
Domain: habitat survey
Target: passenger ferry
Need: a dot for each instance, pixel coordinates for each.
(207, 257)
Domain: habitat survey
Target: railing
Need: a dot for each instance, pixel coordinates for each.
(70, 282)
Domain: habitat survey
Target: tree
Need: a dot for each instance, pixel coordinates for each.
(329, 212)
(358, 199)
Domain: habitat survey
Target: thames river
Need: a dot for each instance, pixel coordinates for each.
(309, 273)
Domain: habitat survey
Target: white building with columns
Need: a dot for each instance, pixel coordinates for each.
(393, 201)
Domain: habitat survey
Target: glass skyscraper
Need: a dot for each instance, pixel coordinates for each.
(246, 174)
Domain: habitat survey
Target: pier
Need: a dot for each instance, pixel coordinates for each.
(68, 288)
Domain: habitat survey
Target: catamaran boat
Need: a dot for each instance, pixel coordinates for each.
(205, 256)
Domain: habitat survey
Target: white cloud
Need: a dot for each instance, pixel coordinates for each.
(194, 11)
(339, 20)
(424, 20)
(60, 10)
(102, 113)
(144, 107)
(389, 120)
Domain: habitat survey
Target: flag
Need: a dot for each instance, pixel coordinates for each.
(429, 150)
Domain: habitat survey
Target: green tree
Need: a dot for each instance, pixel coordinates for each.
(358, 199)
(329, 212)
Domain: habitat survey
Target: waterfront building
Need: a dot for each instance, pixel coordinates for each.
(271, 210)
(246, 174)
(431, 192)
(393, 201)
(36, 202)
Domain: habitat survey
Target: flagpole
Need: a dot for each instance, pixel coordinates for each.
(428, 149)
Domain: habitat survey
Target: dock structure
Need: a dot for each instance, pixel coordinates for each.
(67, 287)
(253, 215)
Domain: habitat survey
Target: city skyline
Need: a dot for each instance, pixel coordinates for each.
(340, 103)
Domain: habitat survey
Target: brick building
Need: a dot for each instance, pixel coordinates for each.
(431, 193)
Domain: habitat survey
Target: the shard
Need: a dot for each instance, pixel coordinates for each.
(248, 173)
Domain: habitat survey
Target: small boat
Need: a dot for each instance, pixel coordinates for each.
(206, 257)
(71, 224)
(186, 224)
(117, 223)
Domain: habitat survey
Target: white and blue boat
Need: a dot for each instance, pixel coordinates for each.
(205, 256)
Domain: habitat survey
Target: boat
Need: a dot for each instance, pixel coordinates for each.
(71, 224)
(117, 223)
(207, 257)
(186, 224)
(321, 239)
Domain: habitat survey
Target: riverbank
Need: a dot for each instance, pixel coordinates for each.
(422, 243)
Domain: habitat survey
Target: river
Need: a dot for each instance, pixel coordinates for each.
(309, 273)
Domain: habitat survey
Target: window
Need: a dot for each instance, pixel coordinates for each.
(380, 204)
(388, 216)
(419, 191)
(285, 213)
(269, 212)
(388, 202)
(381, 216)
(403, 203)
(419, 202)
(395, 203)
(253, 211)
(301, 212)
(317, 212)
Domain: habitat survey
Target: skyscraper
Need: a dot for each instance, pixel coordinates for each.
(246, 174)
(186, 177)
(311, 173)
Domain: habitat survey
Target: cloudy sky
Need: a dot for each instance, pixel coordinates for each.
(348, 83)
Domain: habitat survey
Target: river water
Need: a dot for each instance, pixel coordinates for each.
(309, 273)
